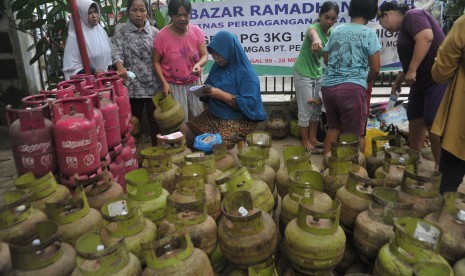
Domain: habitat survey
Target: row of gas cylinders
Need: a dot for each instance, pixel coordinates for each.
(79, 128)
(313, 241)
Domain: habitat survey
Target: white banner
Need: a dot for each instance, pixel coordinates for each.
(272, 32)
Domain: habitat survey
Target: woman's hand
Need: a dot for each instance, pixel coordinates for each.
(166, 89)
(410, 77)
(122, 72)
(197, 69)
(317, 45)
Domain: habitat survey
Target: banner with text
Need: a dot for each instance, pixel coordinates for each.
(272, 32)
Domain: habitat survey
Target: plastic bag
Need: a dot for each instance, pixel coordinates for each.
(205, 142)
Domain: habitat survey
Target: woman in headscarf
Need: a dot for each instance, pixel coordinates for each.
(234, 102)
(97, 42)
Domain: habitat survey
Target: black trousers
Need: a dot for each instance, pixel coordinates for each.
(452, 169)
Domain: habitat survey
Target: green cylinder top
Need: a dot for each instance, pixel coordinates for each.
(360, 186)
(341, 163)
(128, 221)
(111, 257)
(200, 158)
(260, 139)
(297, 158)
(306, 179)
(69, 210)
(385, 205)
(187, 213)
(191, 178)
(401, 156)
(143, 186)
(238, 208)
(421, 185)
(156, 159)
(219, 151)
(318, 222)
(454, 202)
(28, 253)
(253, 158)
(15, 208)
(39, 188)
(234, 180)
(415, 239)
(168, 251)
(375, 147)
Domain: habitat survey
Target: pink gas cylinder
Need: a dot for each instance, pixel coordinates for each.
(109, 112)
(31, 139)
(66, 92)
(75, 134)
(129, 142)
(118, 171)
(90, 79)
(121, 99)
(77, 84)
(98, 117)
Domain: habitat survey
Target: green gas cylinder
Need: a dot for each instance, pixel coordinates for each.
(347, 140)
(17, 216)
(42, 253)
(451, 218)
(374, 227)
(355, 196)
(145, 191)
(295, 158)
(422, 190)
(314, 242)
(396, 160)
(339, 165)
(246, 234)
(303, 184)
(253, 158)
(262, 139)
(94, 257)
(42, 190)
(223, 160)
(191, 178)
(208, 161)
(120, 221)
(175, 144)
(379, 145)
(158, 161)
(175, 255)
(74, 217)
(415, 241)
(240, 180)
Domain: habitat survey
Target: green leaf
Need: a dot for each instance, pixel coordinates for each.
(107, 10)
(159, 19)
(123, 19)
(19, 4)
(26, 13)
(31, 47)
(30, 25)
(58, 25)
(55, 10)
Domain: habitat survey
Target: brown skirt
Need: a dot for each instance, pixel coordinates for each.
(231, 131)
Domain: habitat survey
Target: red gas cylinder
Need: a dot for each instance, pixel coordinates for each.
(109, 112)
(90, 79)
(121, 99)
(67, 92)
(99, 122)
(77, 84)
(76, 139)
(118, 171)
(31, 139)
(129, 153)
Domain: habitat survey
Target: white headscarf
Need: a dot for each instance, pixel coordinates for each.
(97, 44)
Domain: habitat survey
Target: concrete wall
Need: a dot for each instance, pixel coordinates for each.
(17, 77)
